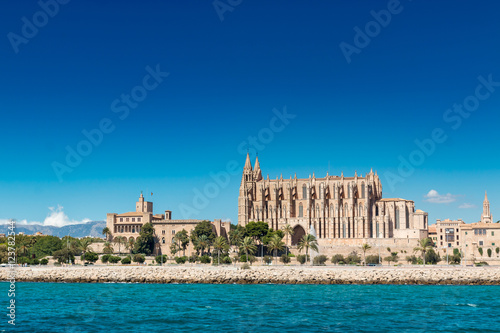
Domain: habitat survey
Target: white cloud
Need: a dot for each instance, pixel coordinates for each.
(466, 205)
(434, 197)
(56, 218)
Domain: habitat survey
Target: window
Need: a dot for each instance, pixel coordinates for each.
(377, 230)
(163, 240)
(458, 243)
(173, 232)
(301, 211)
(441, 243)
(449, 244)
(466, 232)
(492, 244)
(493, 233)
(133, 229)
(343, 230)
(348, 191)
(126, 219)
(138, 219)
(304, 191)
(163, 232)
(133, 219)
(457, 237)
(121, 219)
(397, 218)
(360, 210)
(441, 237)
(481, 243)
(457, 230)
(363, 190)
(121, 230)
(475, 231)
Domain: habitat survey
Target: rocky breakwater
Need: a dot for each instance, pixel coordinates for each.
(259, 275)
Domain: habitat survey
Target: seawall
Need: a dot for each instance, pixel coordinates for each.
(257, 275)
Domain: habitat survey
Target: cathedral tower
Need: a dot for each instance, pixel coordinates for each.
(486, 215)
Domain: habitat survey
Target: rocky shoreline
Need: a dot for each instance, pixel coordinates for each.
(257, 275)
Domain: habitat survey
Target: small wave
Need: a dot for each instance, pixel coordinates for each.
(473, 305)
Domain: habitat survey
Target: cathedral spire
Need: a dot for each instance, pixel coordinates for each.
(257, 164)
(486, 215)
(248, 164)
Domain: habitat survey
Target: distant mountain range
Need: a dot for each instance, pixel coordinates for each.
(93, 228)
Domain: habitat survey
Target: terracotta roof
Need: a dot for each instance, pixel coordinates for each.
(481, 225)
(432, 229)
(130, 214)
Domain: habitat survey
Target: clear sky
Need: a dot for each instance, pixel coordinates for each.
(173, 93)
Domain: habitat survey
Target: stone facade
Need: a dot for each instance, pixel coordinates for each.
(129, 225)
(469, 237)
(342, 210)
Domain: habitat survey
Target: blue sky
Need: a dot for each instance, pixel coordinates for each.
(227, 80)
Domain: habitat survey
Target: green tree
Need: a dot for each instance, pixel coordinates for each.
(257, 230)
(120, 240)
(203, 228)
(146, 241)
(236, 234)
(64, 255)
(480, 251)
(288, 231)
(365, 247)
(338, 258)
(247, 245)
(83, 245)
(308, 241)
(201, 243)
(46, 245)
(174, 248)
(182, 240)
(276, 244)
(432, 257)
(90, 256)
(489, 251)
(129, 245)
(107, 248)
(126, 260)
(497, 250)
(106, 232)
(219, 244)
(424, 245)
(139, 258)
(392, 258)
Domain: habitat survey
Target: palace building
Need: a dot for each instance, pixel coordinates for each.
(342, 210)
(129, 225)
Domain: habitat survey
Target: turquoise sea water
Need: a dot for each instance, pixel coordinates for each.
(111, 307)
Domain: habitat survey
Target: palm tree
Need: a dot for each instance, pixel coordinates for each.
(129, 245)
(220, 243)
(424, 245)
(308, 241)
(120, 240)
(106, 232)
(84, 246)
(287, 230)
(107, 248)
(275, 244)
(365, 247)
(248, 245)
(202, 243)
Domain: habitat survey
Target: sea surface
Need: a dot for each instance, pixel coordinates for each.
(120, 307)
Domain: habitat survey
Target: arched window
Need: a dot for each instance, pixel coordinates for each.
(133, 229)
(173, 240)
(304, 191)
(301, 210)
(397, 217)
(378, 231)
(376, 210)
(163, 240)
(363, 190)
(343, 230)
